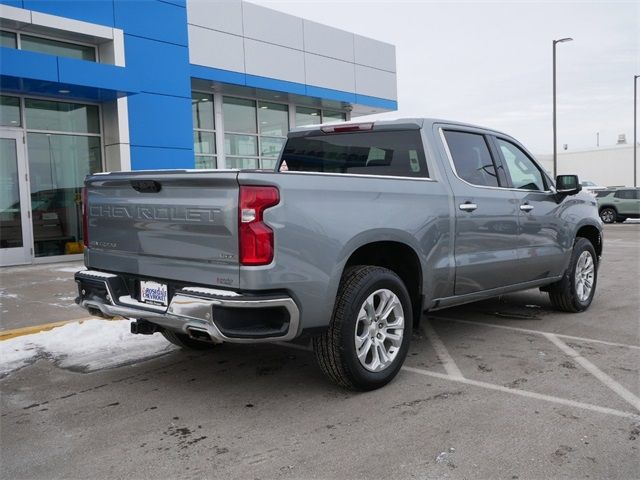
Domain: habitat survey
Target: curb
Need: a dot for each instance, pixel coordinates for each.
(19, 332)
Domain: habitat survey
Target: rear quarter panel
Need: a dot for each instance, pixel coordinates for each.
(322, 219)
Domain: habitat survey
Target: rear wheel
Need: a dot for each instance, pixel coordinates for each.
(608, 215)
(575, 291)
(368, 337)
(186, 342)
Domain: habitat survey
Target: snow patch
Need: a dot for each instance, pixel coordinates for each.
(5, 294)
(88, 346)
(70, 269)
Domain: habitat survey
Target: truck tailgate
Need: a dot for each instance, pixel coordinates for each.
(171, 225)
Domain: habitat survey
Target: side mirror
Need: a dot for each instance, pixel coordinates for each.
(568, 184)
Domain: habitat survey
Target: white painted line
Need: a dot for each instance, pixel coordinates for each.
(595, 371)
(443, 354)
(525, 393)
(538, 332)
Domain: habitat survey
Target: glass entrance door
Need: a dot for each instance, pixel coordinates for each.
(15, 239)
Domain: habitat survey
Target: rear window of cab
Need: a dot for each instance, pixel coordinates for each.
(390, 153)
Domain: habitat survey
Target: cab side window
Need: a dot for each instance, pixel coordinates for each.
(524, 174)
(472, 158)
(625, 194)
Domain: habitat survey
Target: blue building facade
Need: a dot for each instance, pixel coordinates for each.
(95, 85)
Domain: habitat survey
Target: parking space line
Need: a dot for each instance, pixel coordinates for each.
(441, 351)
(538, 332)
(525, 393)
(595, 371)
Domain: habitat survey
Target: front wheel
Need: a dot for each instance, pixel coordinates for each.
(608, 215)
(370, 329)
(574, 293)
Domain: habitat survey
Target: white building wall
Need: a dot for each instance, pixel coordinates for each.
(607, 166)
(242, 37)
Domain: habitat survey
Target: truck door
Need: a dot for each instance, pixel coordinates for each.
(486, 238)
(542, 248)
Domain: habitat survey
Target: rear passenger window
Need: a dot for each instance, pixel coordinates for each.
(472, 158)
(390, 153)
(625, 194)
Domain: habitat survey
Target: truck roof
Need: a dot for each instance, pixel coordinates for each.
(395, 124)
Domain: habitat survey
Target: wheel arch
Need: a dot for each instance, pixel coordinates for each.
(593, 234)
(398, 257)
(607, 205)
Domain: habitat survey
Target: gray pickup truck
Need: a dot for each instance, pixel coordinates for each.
(360, 229)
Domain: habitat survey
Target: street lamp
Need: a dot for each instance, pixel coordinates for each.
(555, 146)
(635, 129)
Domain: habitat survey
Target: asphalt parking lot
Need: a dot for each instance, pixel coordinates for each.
(505, 388)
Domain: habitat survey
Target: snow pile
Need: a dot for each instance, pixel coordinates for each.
(88, 346)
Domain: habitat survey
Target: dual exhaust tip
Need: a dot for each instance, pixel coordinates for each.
(142, 327)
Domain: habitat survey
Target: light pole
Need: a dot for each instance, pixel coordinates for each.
(635, 130)
(555, 146)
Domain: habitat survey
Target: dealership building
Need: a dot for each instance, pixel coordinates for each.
(89, 86)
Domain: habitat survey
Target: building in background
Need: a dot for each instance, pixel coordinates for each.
(97, 85)
(604, 166)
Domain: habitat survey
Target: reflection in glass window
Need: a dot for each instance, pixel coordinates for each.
(203, 161)
(471, 158)
(202, 111)
(61, 116)
(236, 162)
(58, 48)
(271, 147)
(57, 167)
(274, 119)
(307, 116)
(9, 111)
(329, 116)
(523, 172)
(10, 208)
(242, 145)
(204, 142)
(8, 39)
(239, 115)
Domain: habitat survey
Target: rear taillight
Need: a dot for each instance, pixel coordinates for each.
(255, 237)
(85, 217)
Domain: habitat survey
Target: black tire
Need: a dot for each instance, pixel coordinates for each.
(186, 342)
(608, 214)
(563, 294)
(335, 349)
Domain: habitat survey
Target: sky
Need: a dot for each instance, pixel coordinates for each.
(490, 63)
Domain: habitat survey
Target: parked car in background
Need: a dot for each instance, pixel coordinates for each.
(618, 204)
(591, 187)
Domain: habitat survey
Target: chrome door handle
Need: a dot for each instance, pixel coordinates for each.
(468, 207)
(526, 207)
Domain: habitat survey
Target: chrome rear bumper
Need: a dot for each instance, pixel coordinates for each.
(192, 309)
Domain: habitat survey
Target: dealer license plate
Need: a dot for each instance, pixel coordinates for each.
(153, 292)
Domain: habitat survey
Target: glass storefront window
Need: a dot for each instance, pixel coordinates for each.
(330, 116)
(8, 39)
(10, 208)
(57, 167)
(206, 161)
(268, 163)
(271, 147)
(204, 142)
(61, 116)
(238, 162)
(202, 111)
(9, 111)
(56, 47)
(307, 116)
(274, 119)
(243, 145)
(239, 115)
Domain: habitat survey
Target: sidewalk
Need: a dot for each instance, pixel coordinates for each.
(37, 294)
